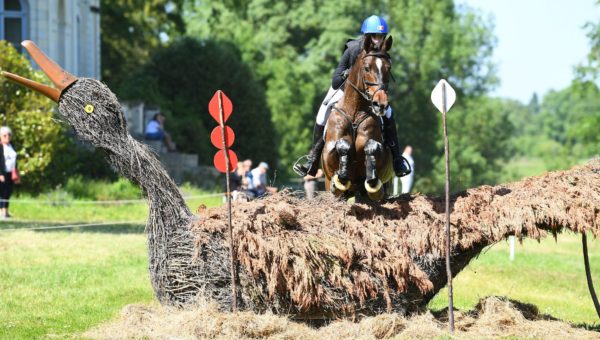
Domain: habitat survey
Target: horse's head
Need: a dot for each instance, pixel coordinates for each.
(375, 69)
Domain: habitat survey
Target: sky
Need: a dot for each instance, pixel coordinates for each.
(539, 42)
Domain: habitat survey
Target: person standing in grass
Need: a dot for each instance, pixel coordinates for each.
(10, 173)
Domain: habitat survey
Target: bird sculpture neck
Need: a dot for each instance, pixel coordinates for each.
(95, 114)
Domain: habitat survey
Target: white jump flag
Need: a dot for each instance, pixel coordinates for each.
(443, 90)
(443, 96)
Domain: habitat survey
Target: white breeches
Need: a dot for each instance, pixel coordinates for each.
(331, 98)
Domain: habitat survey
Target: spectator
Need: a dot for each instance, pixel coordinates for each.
(155, 130)
(247, 165)
(408, 180)
(239, 183)
(236, 177)
(257, 182)
(310, 184)
(10, 172)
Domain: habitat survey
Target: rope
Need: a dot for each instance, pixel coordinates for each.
(61, 201)
(66, 226)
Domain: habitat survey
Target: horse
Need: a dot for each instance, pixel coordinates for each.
(354, 158)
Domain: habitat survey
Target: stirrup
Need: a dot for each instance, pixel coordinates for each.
(407, 166)
(297, 164)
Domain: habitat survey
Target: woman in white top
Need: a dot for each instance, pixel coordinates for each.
(8, 163)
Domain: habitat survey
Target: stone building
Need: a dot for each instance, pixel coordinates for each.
(67, 30)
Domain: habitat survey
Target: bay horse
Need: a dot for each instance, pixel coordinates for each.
(354, 158)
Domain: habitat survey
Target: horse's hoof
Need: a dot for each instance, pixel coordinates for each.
(339, 185)
(376, 188)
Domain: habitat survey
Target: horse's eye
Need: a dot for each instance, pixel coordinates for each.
(367, 68)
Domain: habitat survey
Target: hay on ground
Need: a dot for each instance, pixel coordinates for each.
(493, 317)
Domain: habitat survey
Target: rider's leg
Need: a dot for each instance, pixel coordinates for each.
(312, 163)
(391, 140)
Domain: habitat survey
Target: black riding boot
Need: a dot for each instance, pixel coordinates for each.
(391, 140)
(312, 164)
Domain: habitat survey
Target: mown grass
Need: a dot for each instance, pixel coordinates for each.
(61, 206)
(61, 283)
(549, 274)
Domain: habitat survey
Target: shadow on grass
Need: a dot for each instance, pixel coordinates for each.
(75, 227)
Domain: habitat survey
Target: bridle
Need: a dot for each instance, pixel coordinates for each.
(381, 86)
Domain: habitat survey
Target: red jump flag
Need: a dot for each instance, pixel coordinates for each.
(222, 137)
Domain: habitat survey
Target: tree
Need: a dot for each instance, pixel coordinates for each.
(35, 136)
(182, 79)
(293, 46)
(480, 143)
(131, 30)
(570, 118)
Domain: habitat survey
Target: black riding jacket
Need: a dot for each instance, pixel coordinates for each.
(351, 52)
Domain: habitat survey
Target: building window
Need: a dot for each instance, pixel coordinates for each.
(13, 21)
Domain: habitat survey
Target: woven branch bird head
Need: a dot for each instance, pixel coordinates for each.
(88, 105)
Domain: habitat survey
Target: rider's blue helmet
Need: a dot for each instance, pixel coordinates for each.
(374, 25)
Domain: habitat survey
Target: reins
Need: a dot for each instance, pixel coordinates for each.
(380, 86)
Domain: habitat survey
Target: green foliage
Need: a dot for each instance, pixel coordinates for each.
(434, 40)
(292, 47)
(183, 78)
(131, 30)
(590, 71)
(480, 142)
(121, 189)
(570, 118)
(562, 130)
(30, 116)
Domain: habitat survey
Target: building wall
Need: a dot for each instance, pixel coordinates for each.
(68, 31)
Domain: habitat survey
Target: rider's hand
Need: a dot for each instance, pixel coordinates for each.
(1, 178)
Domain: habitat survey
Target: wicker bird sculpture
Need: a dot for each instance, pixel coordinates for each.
(95, 114)
(320, 258)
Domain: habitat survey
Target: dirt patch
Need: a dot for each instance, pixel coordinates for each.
(493, 317)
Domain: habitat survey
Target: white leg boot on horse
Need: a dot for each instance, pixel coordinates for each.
(373, 184)
(340, 180)
(312, 163)
(401, 167)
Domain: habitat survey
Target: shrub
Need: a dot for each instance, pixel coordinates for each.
(35, 136)
(99, 190)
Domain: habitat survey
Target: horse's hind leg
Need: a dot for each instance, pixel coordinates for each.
(340, 179)
(373, 184)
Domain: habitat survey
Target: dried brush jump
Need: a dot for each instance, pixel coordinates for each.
(326, 258)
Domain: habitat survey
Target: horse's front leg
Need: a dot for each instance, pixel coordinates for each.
(373, 185)
(341, 179)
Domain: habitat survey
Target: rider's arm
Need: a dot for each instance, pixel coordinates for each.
(338, 74)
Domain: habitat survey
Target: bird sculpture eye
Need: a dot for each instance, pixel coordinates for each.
(89, 108)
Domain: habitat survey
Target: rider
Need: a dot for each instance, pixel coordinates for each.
(376, 28)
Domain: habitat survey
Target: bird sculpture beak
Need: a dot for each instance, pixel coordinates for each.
(61, 78)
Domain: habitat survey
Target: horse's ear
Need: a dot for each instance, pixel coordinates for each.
(387, 44)
(367, 43)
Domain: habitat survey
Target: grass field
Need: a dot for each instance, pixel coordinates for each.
(548, 274)
(62, 282)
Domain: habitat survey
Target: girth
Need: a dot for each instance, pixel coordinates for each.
(355, 125)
